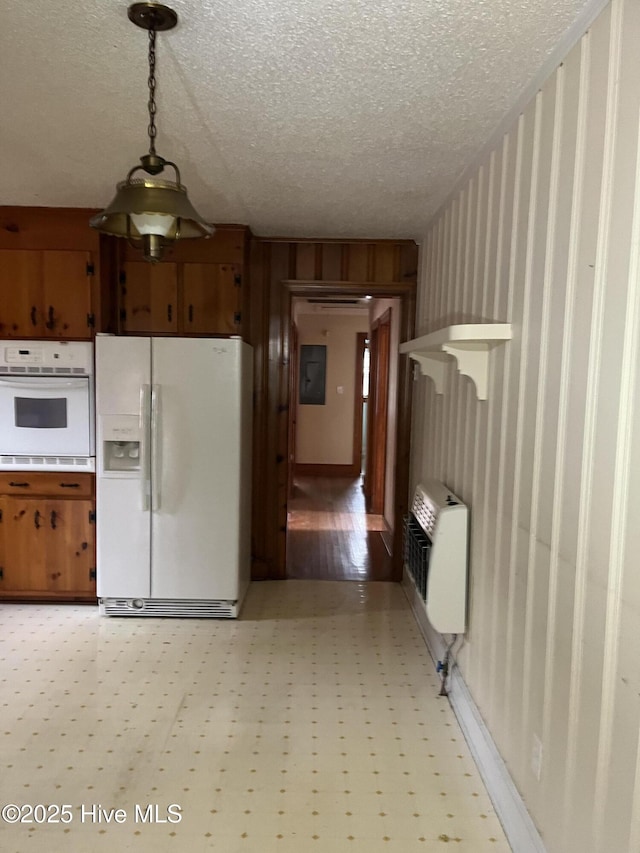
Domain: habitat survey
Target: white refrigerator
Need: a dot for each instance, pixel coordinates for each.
(173, 498)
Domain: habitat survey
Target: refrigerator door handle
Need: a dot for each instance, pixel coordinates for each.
(145, 462)
(155, 444)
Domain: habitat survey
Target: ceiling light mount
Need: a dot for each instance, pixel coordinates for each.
(152, 16)
(148, 212)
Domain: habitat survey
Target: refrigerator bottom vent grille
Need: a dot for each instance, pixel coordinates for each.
(48, 463)
(179, 607)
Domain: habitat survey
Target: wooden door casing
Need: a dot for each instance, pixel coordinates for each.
(378, 413)
(271, 435)
(358, 402)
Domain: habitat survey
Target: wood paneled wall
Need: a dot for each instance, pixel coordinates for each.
(273, 270)
(545, 235)
(280, 269)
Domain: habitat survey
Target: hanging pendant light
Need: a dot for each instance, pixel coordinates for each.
(148, 211)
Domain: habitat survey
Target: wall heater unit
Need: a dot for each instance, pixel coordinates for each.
(435, 555)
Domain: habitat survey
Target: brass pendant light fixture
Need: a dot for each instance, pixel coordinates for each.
(149, 212)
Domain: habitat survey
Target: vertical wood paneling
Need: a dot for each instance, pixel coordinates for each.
(480, 246)
(305, 261)
(384, 262)
(552, 488)
(502, 293)
(358, 262)
(542, 351)
(331, 261)
(462, 399)
(488, 274)
(274, 264)
(519, 581)
(458, 309)
(620, 355)
(628, 688)
(504, 590)
(469, 240)
(588, 614)
(436, 310)
(546, 235)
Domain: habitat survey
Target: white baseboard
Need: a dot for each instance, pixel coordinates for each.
(520, 830)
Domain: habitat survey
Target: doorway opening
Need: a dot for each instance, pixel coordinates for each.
(341, 465)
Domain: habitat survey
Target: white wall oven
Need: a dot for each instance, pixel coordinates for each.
(46, 406)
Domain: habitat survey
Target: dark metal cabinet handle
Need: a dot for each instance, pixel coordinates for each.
(34, 316)
(191, 313)
(169, 313)
(69, 485)
(36, 519)
(51, 322)
(19, 485)
(54, 518)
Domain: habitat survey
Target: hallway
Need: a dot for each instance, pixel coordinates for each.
(330, 536)
(312, 723)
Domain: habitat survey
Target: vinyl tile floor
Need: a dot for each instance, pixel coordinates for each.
(311, 723)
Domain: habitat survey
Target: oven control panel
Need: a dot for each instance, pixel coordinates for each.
(46, 356)
(15, 355)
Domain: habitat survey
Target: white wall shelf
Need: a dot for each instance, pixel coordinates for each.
(470, 344)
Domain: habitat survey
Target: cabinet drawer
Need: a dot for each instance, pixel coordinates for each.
(68, 485)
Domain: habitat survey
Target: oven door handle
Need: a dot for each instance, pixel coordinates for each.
(46, 385)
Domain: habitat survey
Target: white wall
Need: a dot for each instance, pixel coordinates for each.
(324, 434)
(545, 235)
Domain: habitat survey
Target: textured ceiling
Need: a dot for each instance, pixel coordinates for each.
(343, 118)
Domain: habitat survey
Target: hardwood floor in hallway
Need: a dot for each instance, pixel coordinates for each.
(330, 536)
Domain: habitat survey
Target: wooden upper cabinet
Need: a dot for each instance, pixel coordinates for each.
(20, 294)
(211, 299)
(148, 297)
(46, 294)
(67, 279)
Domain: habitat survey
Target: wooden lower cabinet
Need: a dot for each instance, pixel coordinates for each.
(47, 536)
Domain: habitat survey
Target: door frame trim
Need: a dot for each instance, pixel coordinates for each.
(406, 292)
(358, 402)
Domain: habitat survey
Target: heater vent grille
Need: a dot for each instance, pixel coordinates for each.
(435, 556)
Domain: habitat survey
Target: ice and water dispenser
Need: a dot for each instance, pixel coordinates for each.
(120, 449)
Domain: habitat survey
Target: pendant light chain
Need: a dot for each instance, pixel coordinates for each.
(151, 212)
(152, 91)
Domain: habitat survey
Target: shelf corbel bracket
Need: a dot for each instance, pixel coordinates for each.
(472, 360)
(431, 365)
(470, 344)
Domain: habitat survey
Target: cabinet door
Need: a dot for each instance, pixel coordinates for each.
(20, 294)
(48, 546)
(66, 294)
(25, 545)
(149, 297)
(70, 550)
(211, 299)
